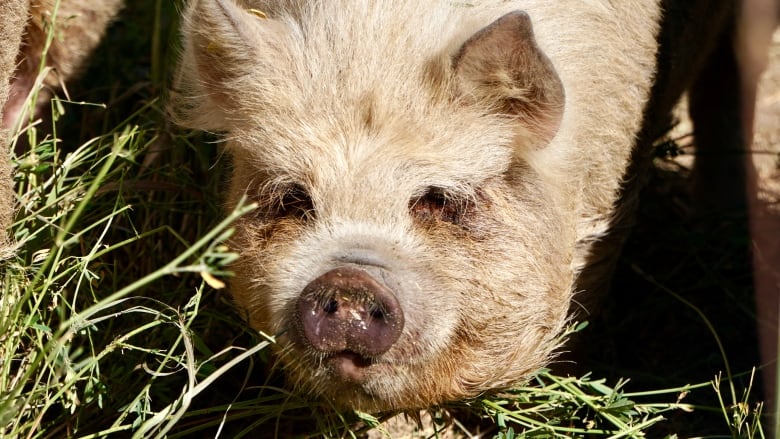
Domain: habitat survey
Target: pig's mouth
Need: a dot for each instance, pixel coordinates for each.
(349, 366)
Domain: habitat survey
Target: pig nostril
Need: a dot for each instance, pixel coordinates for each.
(377, 314)
(331, 306)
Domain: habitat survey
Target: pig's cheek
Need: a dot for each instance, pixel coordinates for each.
(430, 315)
(258, 287)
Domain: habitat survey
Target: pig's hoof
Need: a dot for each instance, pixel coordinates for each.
(346, 311)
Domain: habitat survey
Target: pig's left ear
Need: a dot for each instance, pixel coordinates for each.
(502, 65)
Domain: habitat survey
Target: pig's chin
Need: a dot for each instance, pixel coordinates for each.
(351, 381)
(349, 367)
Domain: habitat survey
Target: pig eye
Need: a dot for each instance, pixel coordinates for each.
(293, 201)
(436, 205)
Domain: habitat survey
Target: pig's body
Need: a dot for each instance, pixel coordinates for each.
(377, 139)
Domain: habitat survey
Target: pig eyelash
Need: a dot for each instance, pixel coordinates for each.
(438, 205)
(291, 201)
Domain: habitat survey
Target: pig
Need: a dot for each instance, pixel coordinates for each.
(431, 177)
(26, 24)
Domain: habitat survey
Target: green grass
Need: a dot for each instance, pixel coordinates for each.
(114, 320)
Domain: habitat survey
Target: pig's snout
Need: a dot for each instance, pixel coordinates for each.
(346, 310)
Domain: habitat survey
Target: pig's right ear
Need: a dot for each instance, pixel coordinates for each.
(502, 66)
(227, 50)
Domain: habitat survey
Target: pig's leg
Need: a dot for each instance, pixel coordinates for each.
(758, 20)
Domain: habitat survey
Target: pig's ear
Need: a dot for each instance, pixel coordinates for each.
(502, 65)
(225, 48)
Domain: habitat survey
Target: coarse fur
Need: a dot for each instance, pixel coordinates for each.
(14, 13)
(360, 105)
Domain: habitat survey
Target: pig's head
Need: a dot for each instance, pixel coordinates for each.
(410, 246)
